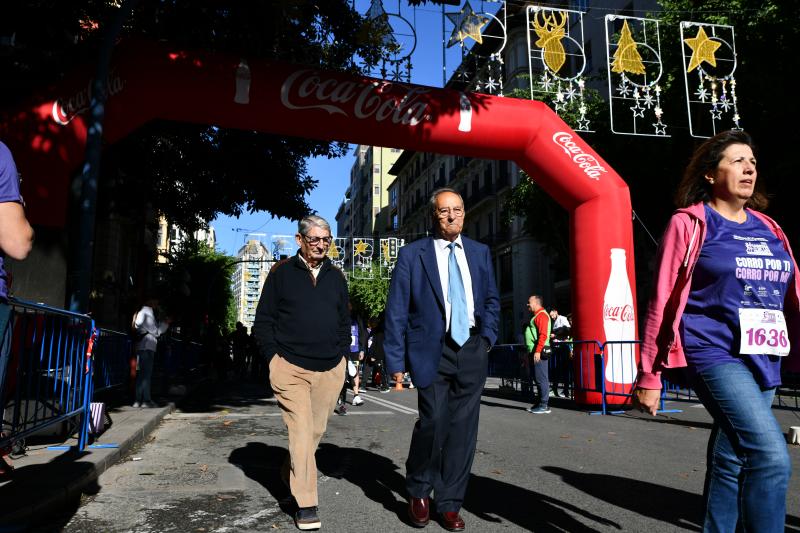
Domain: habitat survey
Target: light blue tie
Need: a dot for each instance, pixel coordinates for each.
(459, 322)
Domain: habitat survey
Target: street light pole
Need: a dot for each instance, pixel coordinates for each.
(80, 274)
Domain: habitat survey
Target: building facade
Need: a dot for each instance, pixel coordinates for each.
(255, 262)
(367, 195)
(170, 237)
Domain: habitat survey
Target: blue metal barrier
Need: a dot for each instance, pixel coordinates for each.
(589, 355)
(112, 354)
(506, 363)
(49, 371)
(178, 357)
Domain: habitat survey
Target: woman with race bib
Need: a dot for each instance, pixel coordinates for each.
(726, 306)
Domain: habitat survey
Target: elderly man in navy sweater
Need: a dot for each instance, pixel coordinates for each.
(302, 323)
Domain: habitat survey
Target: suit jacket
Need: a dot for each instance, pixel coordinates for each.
(415, 310)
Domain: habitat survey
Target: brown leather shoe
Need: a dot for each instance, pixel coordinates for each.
(419, 511)
(452, 522)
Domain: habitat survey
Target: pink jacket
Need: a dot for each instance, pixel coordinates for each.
(677, 255)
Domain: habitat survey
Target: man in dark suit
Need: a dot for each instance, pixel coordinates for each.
(441, 318)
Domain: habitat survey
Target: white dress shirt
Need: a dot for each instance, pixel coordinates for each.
(442, 261)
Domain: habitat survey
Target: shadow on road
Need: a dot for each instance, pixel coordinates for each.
(677, 507)
(34, 481)
(495, 501)
(262, 463)
(377, 476)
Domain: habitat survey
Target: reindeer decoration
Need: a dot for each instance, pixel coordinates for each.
(550, 35)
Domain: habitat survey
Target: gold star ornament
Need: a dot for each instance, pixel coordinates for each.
(703, 49)
(361, 247)
(467, 24)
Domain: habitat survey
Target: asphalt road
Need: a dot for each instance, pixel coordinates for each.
(213, 467)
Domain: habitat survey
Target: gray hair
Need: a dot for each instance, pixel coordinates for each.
(436, 193)
(309, 221)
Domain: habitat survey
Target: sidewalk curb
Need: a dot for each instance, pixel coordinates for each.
(54, 500)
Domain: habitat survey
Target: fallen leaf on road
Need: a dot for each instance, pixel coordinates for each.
(227, 423)
(223, 497)
(203, 467)
(136, 459)
(684, 475)
(612, 433)
(498, 472)
(147, 473)
(566, 436)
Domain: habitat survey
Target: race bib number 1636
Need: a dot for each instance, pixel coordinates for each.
(763, 332)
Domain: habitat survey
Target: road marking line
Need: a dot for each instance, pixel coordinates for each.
(207, 416)
(391, 405)
(699, 406)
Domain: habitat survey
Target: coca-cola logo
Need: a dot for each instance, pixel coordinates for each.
(64, 110)
(381, 100)
(621, 313)
(587, 162)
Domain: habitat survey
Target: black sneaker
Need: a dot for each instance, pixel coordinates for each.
(340, 410)
(306, 518)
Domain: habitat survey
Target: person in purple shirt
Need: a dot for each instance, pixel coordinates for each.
(16, 239)
(726, 307)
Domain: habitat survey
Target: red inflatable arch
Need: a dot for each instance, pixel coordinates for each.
(148, 81)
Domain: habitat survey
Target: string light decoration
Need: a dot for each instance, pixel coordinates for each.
(337, 252)
(480, 67)
(557, 61)
(363, 250)
(390, 247)
(399, 40)
(709, 56)
(635, 69)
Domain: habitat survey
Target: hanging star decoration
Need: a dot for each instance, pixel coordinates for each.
(703, 49)
(638, 110)
(627, 58)
(467, 24)
(361, 247)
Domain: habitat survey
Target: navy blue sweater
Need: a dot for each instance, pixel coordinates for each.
(304, 320)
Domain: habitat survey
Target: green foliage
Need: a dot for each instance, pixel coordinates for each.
(195, 290)
(191, 172)
(368, 296)
(543, 218)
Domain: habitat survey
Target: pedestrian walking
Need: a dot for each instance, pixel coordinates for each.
(358, 349)
(302, 323)
(441, 317)
(726, 310)
(380, 376)
(537, 341)
(562, 364)
(148, 329)
(16, 240)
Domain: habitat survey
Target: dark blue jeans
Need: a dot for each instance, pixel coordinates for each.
(541, 375)
(144, 375)
(748, 464)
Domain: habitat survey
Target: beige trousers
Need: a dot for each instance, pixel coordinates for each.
(307, 399)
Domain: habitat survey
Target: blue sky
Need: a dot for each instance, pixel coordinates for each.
(333, 174)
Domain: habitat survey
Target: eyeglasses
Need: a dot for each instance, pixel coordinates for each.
(316, 240)
(444, 212)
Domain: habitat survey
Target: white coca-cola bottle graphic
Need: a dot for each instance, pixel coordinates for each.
(618, 322)
(465, 114)
(242, 95)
